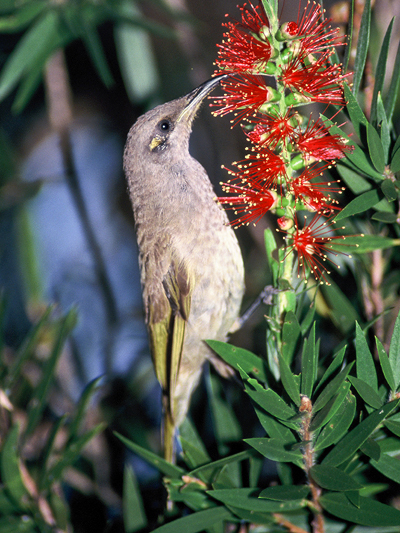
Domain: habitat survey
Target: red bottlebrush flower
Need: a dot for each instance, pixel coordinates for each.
(316, 35)
(244, 49)
(273, 129)
(313, 243)
(262, 167)
(243, 96)
(242, 52)
(315, 196)
(251, 202)
(318, 81)
(317, 144)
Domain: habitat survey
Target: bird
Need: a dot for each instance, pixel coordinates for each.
(192, 271)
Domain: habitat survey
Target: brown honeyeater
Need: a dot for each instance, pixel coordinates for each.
(191, 266)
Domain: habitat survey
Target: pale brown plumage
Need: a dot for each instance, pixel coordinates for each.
(191, 265)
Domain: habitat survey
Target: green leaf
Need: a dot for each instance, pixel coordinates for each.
(22, 17)
(309, 363)
(388, 466)
(10, 471)
(340, 309)
(26, 350)
(193, 449)
(285, 492)
(71, 454)
(226, 426)
(166, 468)
(274, 450)
(349, 445)
(387, 218)
(356, 183)
(338, 424)
(389, 190)
(380, 72)
(234, 356)
(383, 127)
(331, 478)
(360, 204)
(196, 522)
(335, 364)
(42, 390)
(357, 117)
(394, 351)
(326, 413)
(368, 243)
(366, 392)
(247, 499)
(391, 97)
(133, 511)
(209, 471)
(289, 382)
(365, 364)
(84, 400)
(362, 47)
(270, 247)
(361, 161)
(331, 389)
(371, 449)
(395, 162)
(375, 149)
(36, 40)
(274, 428)
(290, 334)
(269, 400)
(385, 364)
(369, 513)
(393, 426)
(96, 53)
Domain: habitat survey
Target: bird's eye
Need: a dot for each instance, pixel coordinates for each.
(164, 126)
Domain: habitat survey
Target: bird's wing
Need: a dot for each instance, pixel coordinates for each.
(168, 310)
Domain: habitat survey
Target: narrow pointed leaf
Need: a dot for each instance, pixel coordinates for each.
(371, 449)
(380, 72)
(389, 190)
(247, 499)
(391, 97)
(331, 389)
(360, 204)
(196, 522)
(335, 364)
(213, 467)
(330, 409)
(387, 218)
(166, 468)
(284, 493)
(350, 444)
(375, 149)
(97, 55)
(338, 424)
(270, 247)
(274, 428)
(331, 478)
(369, 513)
(251, 363)
(358, 119)
(388, 466)
(10, 470)
(290, 334)
(393, 426)
(309, 364)
(394, 351)
(366, 392)
(363, 244)
(274, 450)
(226, 425)
(365, 364)
(395, 162)
(134, 514)
(385, 364)
(289, 382)
(269, 400)
(383, 127)
(362, 47)
(352, 179)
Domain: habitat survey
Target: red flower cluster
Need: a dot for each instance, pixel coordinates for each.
(297, 57)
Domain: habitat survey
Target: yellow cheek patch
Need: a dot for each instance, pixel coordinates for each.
(155, 142)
